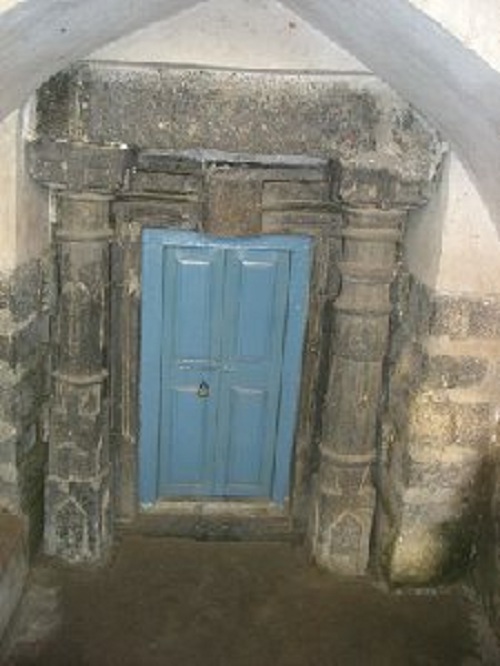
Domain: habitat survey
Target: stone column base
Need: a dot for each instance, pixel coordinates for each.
(78, 526)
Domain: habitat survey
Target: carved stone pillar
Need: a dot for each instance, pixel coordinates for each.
(78, 485)
(345, 496)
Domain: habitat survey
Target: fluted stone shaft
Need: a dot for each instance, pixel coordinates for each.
(344, 499)
(77, 492)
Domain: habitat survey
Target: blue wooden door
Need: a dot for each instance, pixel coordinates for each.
(222, 330)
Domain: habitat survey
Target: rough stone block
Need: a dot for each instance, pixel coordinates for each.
(453, 371)
(435, 543)
(450, 316)
(418, 556)
(474, 425)
(446, 472)
(430, 421)
(484, 319)
(433, 506)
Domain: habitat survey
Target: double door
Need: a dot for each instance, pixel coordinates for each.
(222, 333)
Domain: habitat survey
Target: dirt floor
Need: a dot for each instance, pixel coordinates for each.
(184, 603)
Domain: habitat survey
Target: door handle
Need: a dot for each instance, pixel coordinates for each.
(203, 390)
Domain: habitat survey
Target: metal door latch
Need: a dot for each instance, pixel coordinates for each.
(203, 390)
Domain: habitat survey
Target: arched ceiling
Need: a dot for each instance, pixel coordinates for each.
(41, 37)
(457, 90)
(450, 84)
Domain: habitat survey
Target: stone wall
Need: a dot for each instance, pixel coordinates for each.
(24, 393)
(437, 466)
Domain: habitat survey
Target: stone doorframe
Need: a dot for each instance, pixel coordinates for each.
(347, 175)
(104, 196)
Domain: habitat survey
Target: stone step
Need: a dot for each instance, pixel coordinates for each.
(204, 522)
(13, 566)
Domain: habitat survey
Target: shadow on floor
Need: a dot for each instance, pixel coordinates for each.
(183, 603)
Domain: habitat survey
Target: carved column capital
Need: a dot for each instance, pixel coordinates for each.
(80, 167)
(83, 217)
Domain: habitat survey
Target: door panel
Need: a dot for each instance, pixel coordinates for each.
(191, 344)
(244, 465)
(192, 304)
(257, 288)
(225, 312)
(256, 291)
(187, 428)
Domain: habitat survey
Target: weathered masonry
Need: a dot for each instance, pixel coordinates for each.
(338, 160)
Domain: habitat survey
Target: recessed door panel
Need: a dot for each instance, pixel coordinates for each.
(247, 472)
(190, 354)
(191, 307)
(256, 298)
(257, 284)
(230, 332)
(187, 427)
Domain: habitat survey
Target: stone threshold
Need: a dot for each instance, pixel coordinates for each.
(218, 521)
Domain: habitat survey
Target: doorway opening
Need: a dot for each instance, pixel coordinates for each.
(221, 352)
